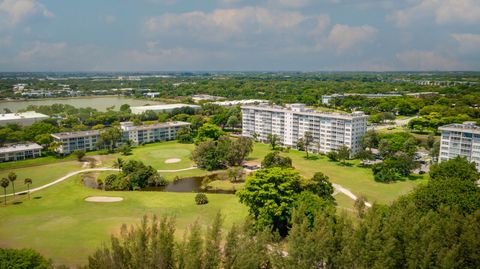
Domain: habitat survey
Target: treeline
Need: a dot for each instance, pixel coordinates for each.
(436, 226)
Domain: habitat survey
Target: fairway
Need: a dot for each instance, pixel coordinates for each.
(358, 180)
(62, 226)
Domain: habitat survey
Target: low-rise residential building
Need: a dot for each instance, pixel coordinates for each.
(88, 140)
(18, 152)
(460, 140)
(81, 140)
(151, 132)
(241, 102)
(330, 131)
(23, 119)
(160, 108)
(205, 97)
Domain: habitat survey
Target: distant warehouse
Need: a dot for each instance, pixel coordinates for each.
(24, 118)
(20, 152)
(160, 108)
(88, 140)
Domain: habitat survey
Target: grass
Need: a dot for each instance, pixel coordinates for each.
(357, 179)
(62, 226)
(35, 162)
(40, 175)
(156, 154)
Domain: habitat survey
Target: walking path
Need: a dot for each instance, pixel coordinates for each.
(338, 188)
(90, 170)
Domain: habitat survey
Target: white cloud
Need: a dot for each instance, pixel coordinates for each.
(468, 42)
(42, 51)
(426, 61)
(246, 25)
(442, 11)
(344, 37)
(13, 12)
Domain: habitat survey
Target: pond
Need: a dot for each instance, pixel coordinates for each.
(100, 103)
(188, 184)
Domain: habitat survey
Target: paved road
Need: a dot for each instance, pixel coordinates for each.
(90, 170)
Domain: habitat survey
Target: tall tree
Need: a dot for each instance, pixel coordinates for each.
(28, 181)
(12, 177)
(212, 243)
(270, 194)
(307, 140)
(109, 137)
(5, 182)
(194, 248)
(272, 140)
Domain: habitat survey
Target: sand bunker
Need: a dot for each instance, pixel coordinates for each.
(173, 160)
(103, 199)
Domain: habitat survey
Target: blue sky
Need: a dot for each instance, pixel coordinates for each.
(178, 35)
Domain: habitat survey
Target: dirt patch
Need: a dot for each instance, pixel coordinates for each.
(103, 199)
(173, 160)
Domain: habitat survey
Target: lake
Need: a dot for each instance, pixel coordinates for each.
(98, 102)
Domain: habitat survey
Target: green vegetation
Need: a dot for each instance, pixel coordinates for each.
(22, 258)
(58, 217)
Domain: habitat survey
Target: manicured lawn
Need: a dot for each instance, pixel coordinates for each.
(356, 179)
(40, 175)
(62, 226)
(157, 153)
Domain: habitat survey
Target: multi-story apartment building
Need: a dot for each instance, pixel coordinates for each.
(20, 152)
(88, 140)
(71, 141)
(330, 131)
(460, 140)
(151, 133)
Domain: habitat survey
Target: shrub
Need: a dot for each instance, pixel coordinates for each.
(201, 199)
(79, 154)
(332, 155)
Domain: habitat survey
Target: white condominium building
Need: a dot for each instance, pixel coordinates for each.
(330, 131)
(460, 140)
(20, 152)
(88, 140)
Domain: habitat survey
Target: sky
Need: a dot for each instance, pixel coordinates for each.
(239, 35)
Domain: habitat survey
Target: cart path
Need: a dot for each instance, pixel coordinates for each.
(71, 174)
(338, 188)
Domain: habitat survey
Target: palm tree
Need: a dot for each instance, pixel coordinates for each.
(5, 182)
(27, 182)
(12, 177)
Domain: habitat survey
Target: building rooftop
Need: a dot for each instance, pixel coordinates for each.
(19, 147)
(163, 107)
(76, 134)
(240, 102)
(300, 109)
(22, 115)
(466, 126)
(158, 125)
